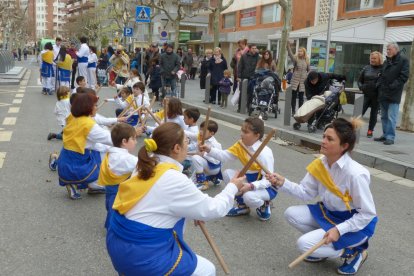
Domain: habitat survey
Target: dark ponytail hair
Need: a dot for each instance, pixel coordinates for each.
(166, 136)
(346, 131)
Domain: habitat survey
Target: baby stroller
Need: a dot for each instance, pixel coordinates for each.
(320, 110)
(266, 87)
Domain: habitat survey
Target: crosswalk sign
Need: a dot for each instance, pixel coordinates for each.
(143, 14)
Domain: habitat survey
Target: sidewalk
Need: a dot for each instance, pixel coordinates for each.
(396, 159)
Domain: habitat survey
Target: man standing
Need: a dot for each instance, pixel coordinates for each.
(245, 70)
(169, 66)
(138, 59)
(120, 68)
(188, 60)
(83, 54)
(56, 50)
(394, 75)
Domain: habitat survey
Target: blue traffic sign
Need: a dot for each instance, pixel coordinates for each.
(128, 32)
(143, 14)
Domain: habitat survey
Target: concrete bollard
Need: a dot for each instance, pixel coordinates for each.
(207, 90)
(288, 108)
(183, 81)
(243, 96)
(358, 106)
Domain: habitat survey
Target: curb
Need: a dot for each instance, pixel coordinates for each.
(368, 159)
(13, 79)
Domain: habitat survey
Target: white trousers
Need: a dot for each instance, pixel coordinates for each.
(301, 218)
(54, 79)
(83, 70)
(253, 199)
(200, 165)
(47, 83)
(91, 80)
(204, 267)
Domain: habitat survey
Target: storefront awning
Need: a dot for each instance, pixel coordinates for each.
(400, 15)
(243, 4)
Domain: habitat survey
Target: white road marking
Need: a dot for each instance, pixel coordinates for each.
(21, 90)
(5, 136)
(17, 101)
(2, 157)
(14, 109)
(4, 104)
(33, 86)
(9, 121)
(19, 95)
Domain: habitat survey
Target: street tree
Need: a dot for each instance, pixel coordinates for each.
(175, 11)
(216, 10)
(84, 24)
(287, 26)
(407, 120)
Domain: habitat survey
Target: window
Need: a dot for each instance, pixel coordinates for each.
(248, 17)
(229, 20)
(270, 13)
(405, 1)
(357, 5)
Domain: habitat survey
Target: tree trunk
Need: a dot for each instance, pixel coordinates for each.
(407, 120)
(216, 16)
(287, 18)
(177, 34)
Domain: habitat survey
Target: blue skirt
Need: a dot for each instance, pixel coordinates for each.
(133, 120)
(328, 219)
(64, 75)
(47, 70)
(110, 194)
(78, 169)
(138, 249)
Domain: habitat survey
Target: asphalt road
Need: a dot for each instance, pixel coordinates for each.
(45, 233)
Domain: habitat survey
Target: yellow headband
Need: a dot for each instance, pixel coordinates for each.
(150, 145)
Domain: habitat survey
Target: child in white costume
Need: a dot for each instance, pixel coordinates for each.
(206, 167)
(92, 63)
(258, 192)
(346, 214)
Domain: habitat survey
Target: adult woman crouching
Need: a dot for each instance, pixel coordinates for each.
(346, 214)
(145, 235)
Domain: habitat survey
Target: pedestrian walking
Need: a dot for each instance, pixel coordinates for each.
(394, 75)
(367, 83)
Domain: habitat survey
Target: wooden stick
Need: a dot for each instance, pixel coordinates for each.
(213, 246)
(125, 110)
(205, 128)
(144, 121)
(257, 152)
(132, 113)
(100, 105)
(156, 119)
(165, 109)
(251, 155)
(307, 253)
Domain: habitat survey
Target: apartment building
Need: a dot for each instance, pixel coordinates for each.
(255, 21)
(359, 27)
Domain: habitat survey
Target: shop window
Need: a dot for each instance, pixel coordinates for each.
(271, 13)
(356, 5)
(405, 1)
(248, 17)
(229, 20)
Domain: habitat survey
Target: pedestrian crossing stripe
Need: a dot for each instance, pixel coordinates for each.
(2, 157)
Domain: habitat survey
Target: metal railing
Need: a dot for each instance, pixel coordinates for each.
(6, 61)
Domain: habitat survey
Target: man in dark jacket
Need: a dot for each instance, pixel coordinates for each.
(394, 75)
(245, 70)
(317, 83)
(169, 66)
(72, 52)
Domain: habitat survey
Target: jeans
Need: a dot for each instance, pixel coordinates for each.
(389, 116)
(171, 83)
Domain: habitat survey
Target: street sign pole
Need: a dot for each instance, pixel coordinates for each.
(328, 39)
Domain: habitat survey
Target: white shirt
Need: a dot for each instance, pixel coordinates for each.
(265, 157)
(178, 120)
(83, 50)
(212, 142)
(62, 111)
(347, 175)
(98, 139)
(56, 50)
(130, 83)
(192, 133)
(121, 161)
(174, 197)
(92, 58)
(104, 121)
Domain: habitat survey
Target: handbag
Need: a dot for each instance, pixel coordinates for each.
(235, 99)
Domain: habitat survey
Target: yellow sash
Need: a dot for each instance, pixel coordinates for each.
(239, 152)
(131, 100)
(47, 57)
(76, 132)
(134, 189)
(160, 114)
(318, 170)
(107, 177)
(66, 64)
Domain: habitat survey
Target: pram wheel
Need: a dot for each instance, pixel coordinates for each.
(311, 129)
(265, 116)
(296, 126)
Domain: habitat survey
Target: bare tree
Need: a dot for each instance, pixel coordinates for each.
(407, 120)
(84, 24)
(181, 8)
(217, 10)
(287, 26)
